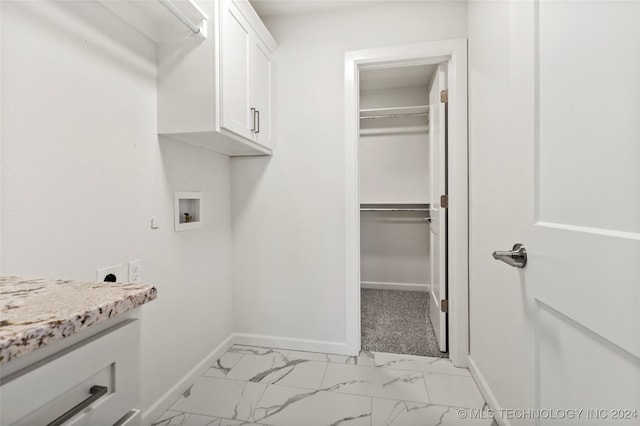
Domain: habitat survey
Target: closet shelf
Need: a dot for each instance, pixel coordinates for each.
(382, 209)
(161, 20)
(405, 111)
(378, 131)
(394, 207)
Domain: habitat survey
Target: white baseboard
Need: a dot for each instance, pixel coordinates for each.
(165, 401)
(486, 392)
(395, 286)
(324, 346)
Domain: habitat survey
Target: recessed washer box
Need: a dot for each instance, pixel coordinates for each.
(188, 208)
(113, 273)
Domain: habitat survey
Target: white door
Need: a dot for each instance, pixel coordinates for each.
(584, 240)
(438, 225)
(261, 92)
(235, 112)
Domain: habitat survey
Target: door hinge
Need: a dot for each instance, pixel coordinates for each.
(444, 201)
(444, 305)
(444, 96)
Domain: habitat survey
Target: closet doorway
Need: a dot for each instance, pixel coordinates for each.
(406, 200)
(402, 173)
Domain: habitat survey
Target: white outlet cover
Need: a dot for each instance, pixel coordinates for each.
(116, 270)
(135, 271)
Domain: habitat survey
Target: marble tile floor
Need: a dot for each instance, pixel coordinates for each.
(252, 385)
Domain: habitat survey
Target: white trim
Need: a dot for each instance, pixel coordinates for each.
(165, 401)
(199, 214)
(486, 392)
(458, 220)
(435, 299)
(454, 52)
(322, 346)
(1, 201)
(376, 285)
(352, 205)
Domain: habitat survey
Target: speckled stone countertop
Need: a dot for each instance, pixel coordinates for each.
(35, 312)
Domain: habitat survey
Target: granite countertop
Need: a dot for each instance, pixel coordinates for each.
(35, 312)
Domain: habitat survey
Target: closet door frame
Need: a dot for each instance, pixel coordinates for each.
(454, 53)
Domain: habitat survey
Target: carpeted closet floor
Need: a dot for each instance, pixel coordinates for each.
(398, 322)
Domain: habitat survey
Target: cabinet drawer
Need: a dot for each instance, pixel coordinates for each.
(41, 393)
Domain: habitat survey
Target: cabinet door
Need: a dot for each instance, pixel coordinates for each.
(57, 385)
(261, 91)
(235, 113)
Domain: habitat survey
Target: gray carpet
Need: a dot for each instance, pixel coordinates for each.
(398, 322)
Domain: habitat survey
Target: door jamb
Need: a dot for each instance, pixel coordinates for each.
(455, 52)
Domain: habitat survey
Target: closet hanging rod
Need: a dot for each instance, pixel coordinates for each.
(196, 29)
(371, 209)
(414, 114)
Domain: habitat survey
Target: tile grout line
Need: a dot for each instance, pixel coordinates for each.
(236, 363)
(424, 378)
(251, 415)
(423, 371)
(324, 375)
(426, 404)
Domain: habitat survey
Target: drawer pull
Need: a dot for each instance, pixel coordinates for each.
(96, 392)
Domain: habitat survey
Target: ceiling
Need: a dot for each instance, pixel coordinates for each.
(393, 78)
(371, 79)
(291, 7)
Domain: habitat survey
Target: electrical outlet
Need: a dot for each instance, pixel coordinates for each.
(135, 271)
(111, 273)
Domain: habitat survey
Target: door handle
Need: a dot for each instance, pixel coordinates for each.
(516, 257)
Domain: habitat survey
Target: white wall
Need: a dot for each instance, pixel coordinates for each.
(501, 310)
(394, 247)
(394, 152)
(393, 168)
(288, 210)
(83, 172)
(394, 97)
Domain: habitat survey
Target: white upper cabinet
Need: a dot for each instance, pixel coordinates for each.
(235, 72)
(215, 91)
(245, 76)
(261, 92)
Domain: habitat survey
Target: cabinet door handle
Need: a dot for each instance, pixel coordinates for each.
(253, 117)
(96, 392)
(258, 129)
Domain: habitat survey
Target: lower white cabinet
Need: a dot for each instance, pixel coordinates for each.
(94, 382)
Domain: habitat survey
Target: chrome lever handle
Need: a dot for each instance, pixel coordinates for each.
(517, 257)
